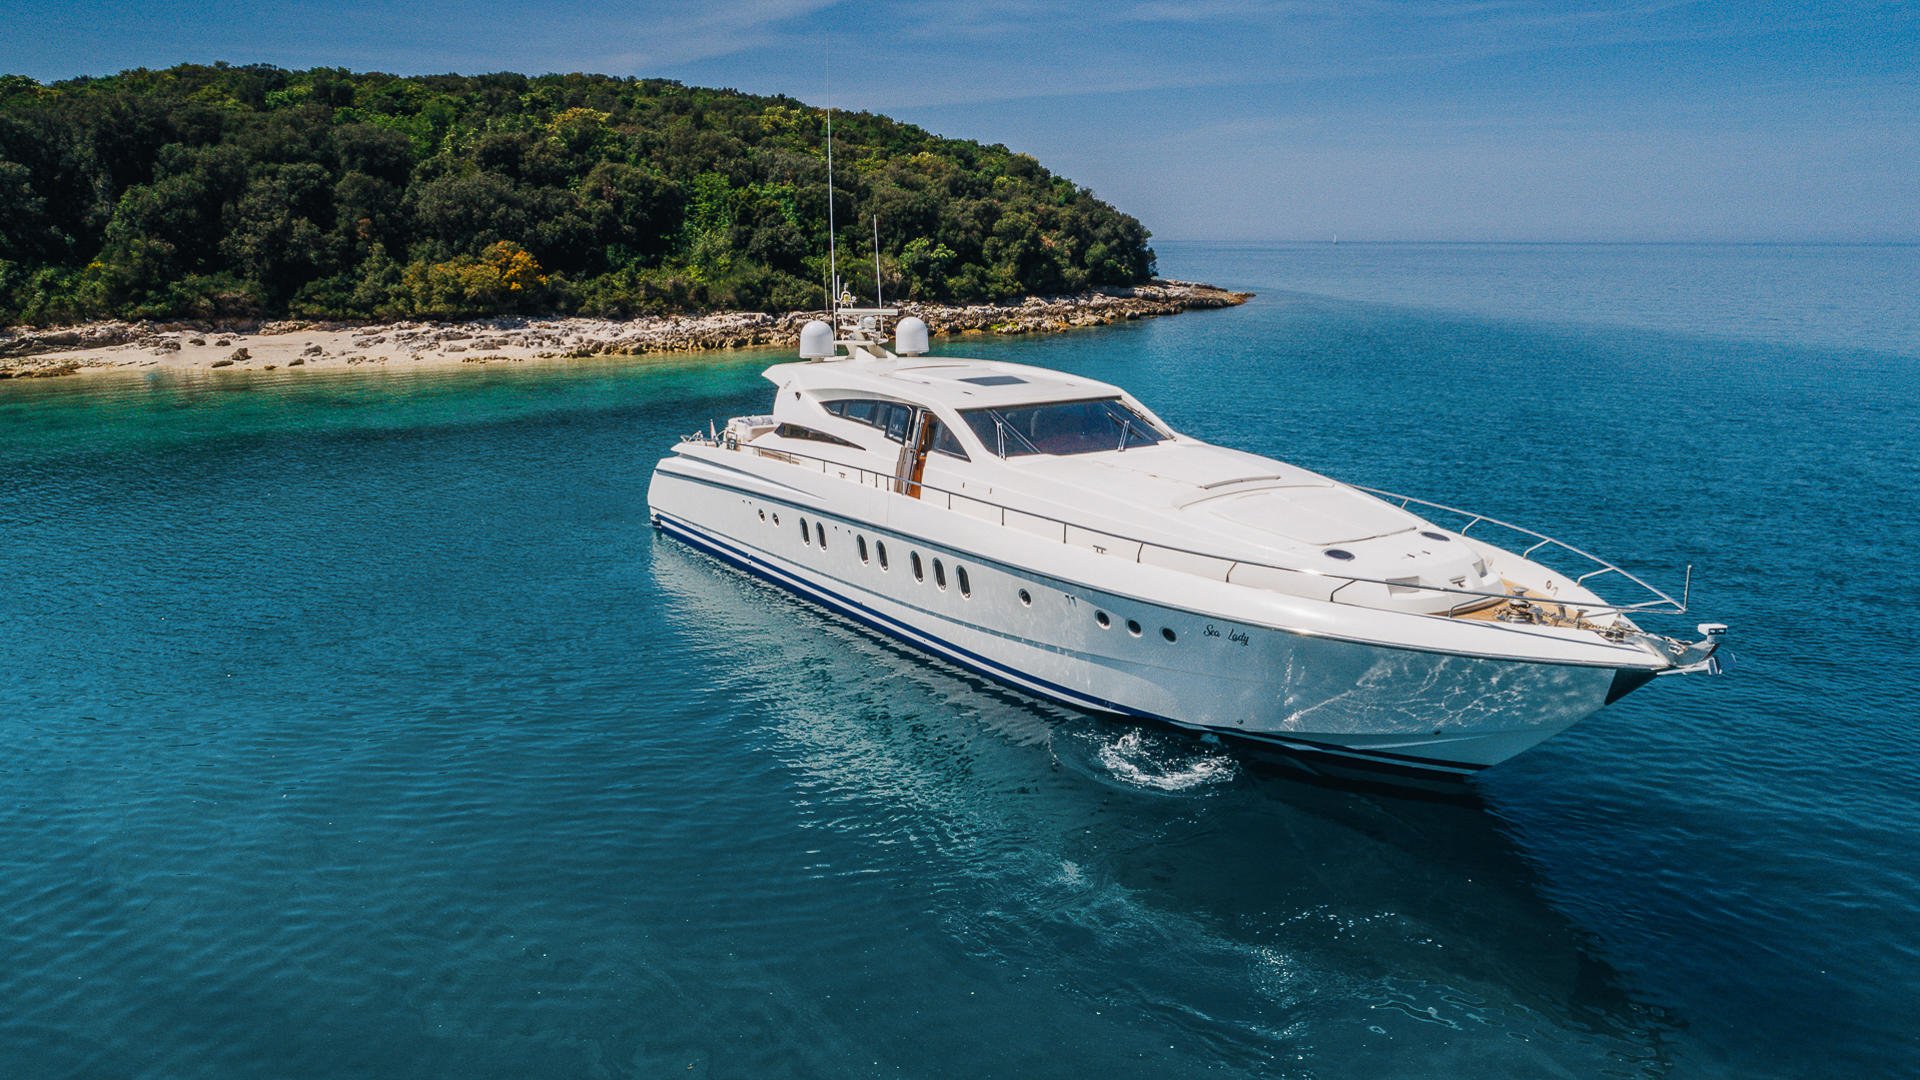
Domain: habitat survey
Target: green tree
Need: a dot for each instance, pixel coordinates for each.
(220, 189)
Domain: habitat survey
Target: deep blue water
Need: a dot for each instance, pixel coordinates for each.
(357, 725)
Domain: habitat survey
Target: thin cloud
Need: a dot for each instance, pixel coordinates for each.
(693, 32)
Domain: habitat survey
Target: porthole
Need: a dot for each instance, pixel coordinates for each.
(805, 535)
(1133, 628)
(1167, 632)
(1102, 618)
(939, 575)
(1431, 535)
(960, 575)
(763, 515)
(919, 571)
(776, 518)
(1339, 553)
(820, 534)
(1026, 598)
(862, 543)
(880, 550)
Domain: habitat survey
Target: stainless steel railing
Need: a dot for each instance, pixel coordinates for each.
(1658, 602)
(1661, 600)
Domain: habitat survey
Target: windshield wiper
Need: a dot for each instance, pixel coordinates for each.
(1126, 431)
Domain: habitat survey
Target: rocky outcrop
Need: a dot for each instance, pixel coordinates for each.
(739, 330)
(30, 341)
(26, 351)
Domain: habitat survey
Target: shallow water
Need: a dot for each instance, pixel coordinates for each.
(358, 724)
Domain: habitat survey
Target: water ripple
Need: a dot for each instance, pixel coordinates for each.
(362, 727)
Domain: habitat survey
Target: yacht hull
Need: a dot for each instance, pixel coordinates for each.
(1344, 702)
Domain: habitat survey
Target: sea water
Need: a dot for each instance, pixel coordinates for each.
(356, 724)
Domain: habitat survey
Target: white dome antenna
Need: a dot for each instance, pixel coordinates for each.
(816, 340)
(910, 337)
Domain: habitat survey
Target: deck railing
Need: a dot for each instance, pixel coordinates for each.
(1657, 603)
(1601, 567)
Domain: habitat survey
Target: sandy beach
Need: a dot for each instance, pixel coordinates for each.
(30, 352)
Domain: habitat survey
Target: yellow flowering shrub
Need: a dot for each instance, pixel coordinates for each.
(505, 277)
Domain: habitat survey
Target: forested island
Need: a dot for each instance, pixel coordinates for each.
(209, 192)
(249, 216)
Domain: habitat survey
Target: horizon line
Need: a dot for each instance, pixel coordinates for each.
(1333, 241)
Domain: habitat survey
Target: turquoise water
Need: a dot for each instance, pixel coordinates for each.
(357, 725)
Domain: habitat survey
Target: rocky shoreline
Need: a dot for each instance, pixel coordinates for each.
(30, 352)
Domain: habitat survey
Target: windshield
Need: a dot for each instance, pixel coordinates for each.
(1062, 427)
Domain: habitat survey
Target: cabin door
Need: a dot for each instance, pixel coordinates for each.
(913, 454)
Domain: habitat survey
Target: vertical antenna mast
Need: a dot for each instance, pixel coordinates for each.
(877, 302)
(833, 261)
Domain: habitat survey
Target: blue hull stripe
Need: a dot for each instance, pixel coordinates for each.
(993, 669)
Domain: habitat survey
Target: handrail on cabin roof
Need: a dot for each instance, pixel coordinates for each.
(1662, 604)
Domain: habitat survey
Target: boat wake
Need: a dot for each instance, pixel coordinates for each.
(1145, 762)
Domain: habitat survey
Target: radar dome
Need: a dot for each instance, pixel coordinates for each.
(816, 340)
(910, 337)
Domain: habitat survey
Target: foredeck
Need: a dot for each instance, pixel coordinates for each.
(1524, 605)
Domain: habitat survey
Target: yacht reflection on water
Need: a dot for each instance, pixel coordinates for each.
(1293, 910)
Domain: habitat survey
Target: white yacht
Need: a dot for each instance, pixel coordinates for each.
(1052, 533)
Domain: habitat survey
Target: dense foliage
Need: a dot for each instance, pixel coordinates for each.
(253, 191)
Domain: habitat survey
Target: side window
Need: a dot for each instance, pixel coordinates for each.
(890, 417)
(795, 431)
(945, 442)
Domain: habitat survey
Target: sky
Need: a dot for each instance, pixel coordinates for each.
(1516, 120)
